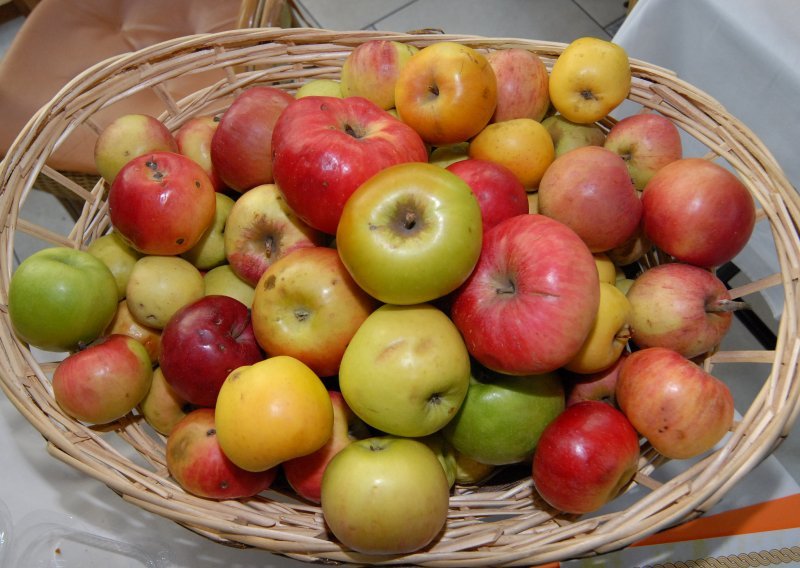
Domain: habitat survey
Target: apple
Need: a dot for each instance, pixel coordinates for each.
(118, 256)
(589, 190)
(471, 472)
(568, 135)
(406, 370)
(444, 452)
(447, 92)
(411, 233)
(589, 79)
(503, 416)
(129, 136)
(161, 203)
(124, 323)
(593, 386)
(606, 269)
(320, 88)
(500, 194)
(194, 141)
(609, 335)
(698, 212)
(647, 142)
(372, 68)
(104, 381)
(209, 252)
(522, 84)
(443, 156)
(307, 305)
(385, 495)
(241, 146)
(161, 285)
(531, 301)
(272, 411)
(324, 148)
(196, 462)
(260, 229)
(61, 299)
(202, 343)
(632, 249)
(521, 144)
(680, 306)
(682, 410)
(223, 281)
(585, 457)
(304, 473)
(162, 407)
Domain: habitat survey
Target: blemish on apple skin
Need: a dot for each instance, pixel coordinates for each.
(211, 432)
(269, 283)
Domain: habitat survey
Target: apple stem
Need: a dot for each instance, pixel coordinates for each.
(722, 306)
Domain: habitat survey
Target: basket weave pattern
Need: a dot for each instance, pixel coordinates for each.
(499, 525)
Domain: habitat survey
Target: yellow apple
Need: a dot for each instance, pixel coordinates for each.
(606, 268)
(223, 281)
(609, 335)
(320, 88)
(118, 256)
(447, 92)
(590, 78)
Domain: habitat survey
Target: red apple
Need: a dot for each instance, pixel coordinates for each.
(196, 461)
(304, 474)
(241, 146)
(161, 203)
(647, 142)
(203, 343)
(371, 70)
(698, 212)
(589, 189)
(325, 147)
(593, 386)
(522, 84)
(194, 141)
(681, 409)
(585, 457)
(531, 301)
(679, 306)
(105, 381)
(499, 192)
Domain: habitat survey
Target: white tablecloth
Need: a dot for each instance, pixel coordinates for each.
(745, 54)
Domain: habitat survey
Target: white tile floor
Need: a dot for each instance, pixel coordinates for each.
(552, 20)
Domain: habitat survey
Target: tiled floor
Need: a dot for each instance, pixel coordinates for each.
(552, 20)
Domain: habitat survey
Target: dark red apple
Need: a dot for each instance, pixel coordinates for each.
(324, 148)
(202, 343)
(585, 457)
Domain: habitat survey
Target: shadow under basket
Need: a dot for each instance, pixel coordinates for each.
(504, 523)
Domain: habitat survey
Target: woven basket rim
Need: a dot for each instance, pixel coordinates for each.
(502, 525)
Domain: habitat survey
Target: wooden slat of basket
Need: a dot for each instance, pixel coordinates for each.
(503, 526)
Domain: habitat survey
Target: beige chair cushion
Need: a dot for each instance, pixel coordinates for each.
(62, 38)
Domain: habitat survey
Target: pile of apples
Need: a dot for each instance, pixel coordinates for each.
(383, 286)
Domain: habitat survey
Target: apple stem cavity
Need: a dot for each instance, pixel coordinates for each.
(724, 306)
(350, 131)
(510, 288)
(302, 314)
(588, 95)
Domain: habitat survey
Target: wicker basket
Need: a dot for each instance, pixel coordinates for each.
(497, 525)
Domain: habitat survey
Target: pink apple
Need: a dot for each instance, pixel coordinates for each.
(589, 190)
(371, 70)
(679, 306)
(324, 148)
(194, 141)
(698, 212)
(161, 203)
(593, 386)
(499, 192)
(203, 343)
(647, 142)
(681, 409)
(522, 84)
(304, 474)
(241, 146)
(105, 381)
(585, 457)
(196, 461)
(531, 301)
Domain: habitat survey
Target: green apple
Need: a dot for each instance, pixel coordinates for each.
(162, 407)
(569, 135)
(320, 88)
(444, 452)
(61, 299)
(503, 416)
(209, 251)
(385, 495)
(223, 281)
(406, 370)
(411, 233)
(118, 256)
(443, 156)
(161, 285)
